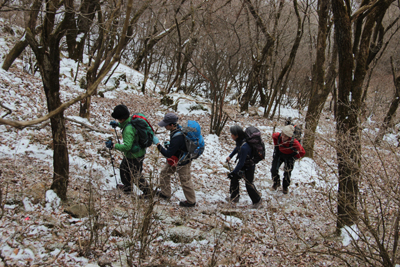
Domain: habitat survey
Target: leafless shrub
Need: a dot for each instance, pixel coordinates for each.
(374, 237)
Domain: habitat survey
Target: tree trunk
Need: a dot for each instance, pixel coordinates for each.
(279, 85)
(106, 52)
(20, 46)
(91, 75)
(60, 155)
(85, 20)
(178, 55)
(319, 92)
(351, 78)
(346, 121)
(49, 66)
(47, 54)
(189, 49)
(84, 107)
(266, 52)
(15, 52)
(152, 41)
(392, 109)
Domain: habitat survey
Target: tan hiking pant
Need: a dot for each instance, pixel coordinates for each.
(184, 177)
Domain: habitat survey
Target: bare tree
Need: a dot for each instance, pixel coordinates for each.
(184, 55)
(354, 57)
(262, 58)
(215, 66)
(47, 52)
(319, 91)
(105, 48)
(158, 35)
(279, 87)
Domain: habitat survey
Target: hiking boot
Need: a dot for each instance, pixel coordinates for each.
(161, 195)
(257, 205)
(276, 185)
(232, 200)
(285, 190)
(186, 204)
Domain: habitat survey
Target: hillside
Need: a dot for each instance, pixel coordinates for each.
(36, 229)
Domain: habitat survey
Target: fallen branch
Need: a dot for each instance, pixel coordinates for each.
(88, 126)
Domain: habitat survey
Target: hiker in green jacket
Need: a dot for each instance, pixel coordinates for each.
(132, 163)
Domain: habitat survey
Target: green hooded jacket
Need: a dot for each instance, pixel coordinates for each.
(129, 138)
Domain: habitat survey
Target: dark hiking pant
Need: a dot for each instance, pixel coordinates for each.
(248, 177)
(288, 167)
(131, 173)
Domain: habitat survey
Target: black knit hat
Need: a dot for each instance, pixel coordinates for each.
(237, 130)
(121, 112)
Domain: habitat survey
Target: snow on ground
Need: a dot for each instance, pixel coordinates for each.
(209, 172)
(25, 97)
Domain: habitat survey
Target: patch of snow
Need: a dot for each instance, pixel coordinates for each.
(53, 201)
(349, 234)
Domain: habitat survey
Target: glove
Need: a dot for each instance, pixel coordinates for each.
(114, 124)
(109, 144)
(155, 140)
(166, 144)
(232, 175)
(173, 161)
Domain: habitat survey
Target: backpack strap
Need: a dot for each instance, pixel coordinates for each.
(135, 146)
(136, 143)
(249, 160)
(136, 116)
(177, 133)
(129, 123)
(290, 144)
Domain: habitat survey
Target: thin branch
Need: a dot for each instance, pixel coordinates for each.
(9, 111)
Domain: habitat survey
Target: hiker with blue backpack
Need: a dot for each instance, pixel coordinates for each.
(179, 153)
(246, 164)
(137, 134)
(287, 150)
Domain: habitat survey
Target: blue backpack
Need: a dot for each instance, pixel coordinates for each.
(193, 140)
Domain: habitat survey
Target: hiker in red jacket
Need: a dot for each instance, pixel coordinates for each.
(287, 149)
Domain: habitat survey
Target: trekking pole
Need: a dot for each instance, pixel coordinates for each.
(229, 166)
(112, 163)
(116, 134)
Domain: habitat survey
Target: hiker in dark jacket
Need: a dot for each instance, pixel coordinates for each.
(132, 163)
(176, 162)
(287, 149)
(244, 169)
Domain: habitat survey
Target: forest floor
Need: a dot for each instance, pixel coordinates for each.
(36, 229)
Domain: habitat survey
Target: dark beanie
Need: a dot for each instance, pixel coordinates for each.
(121, 112)
(236, 130)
